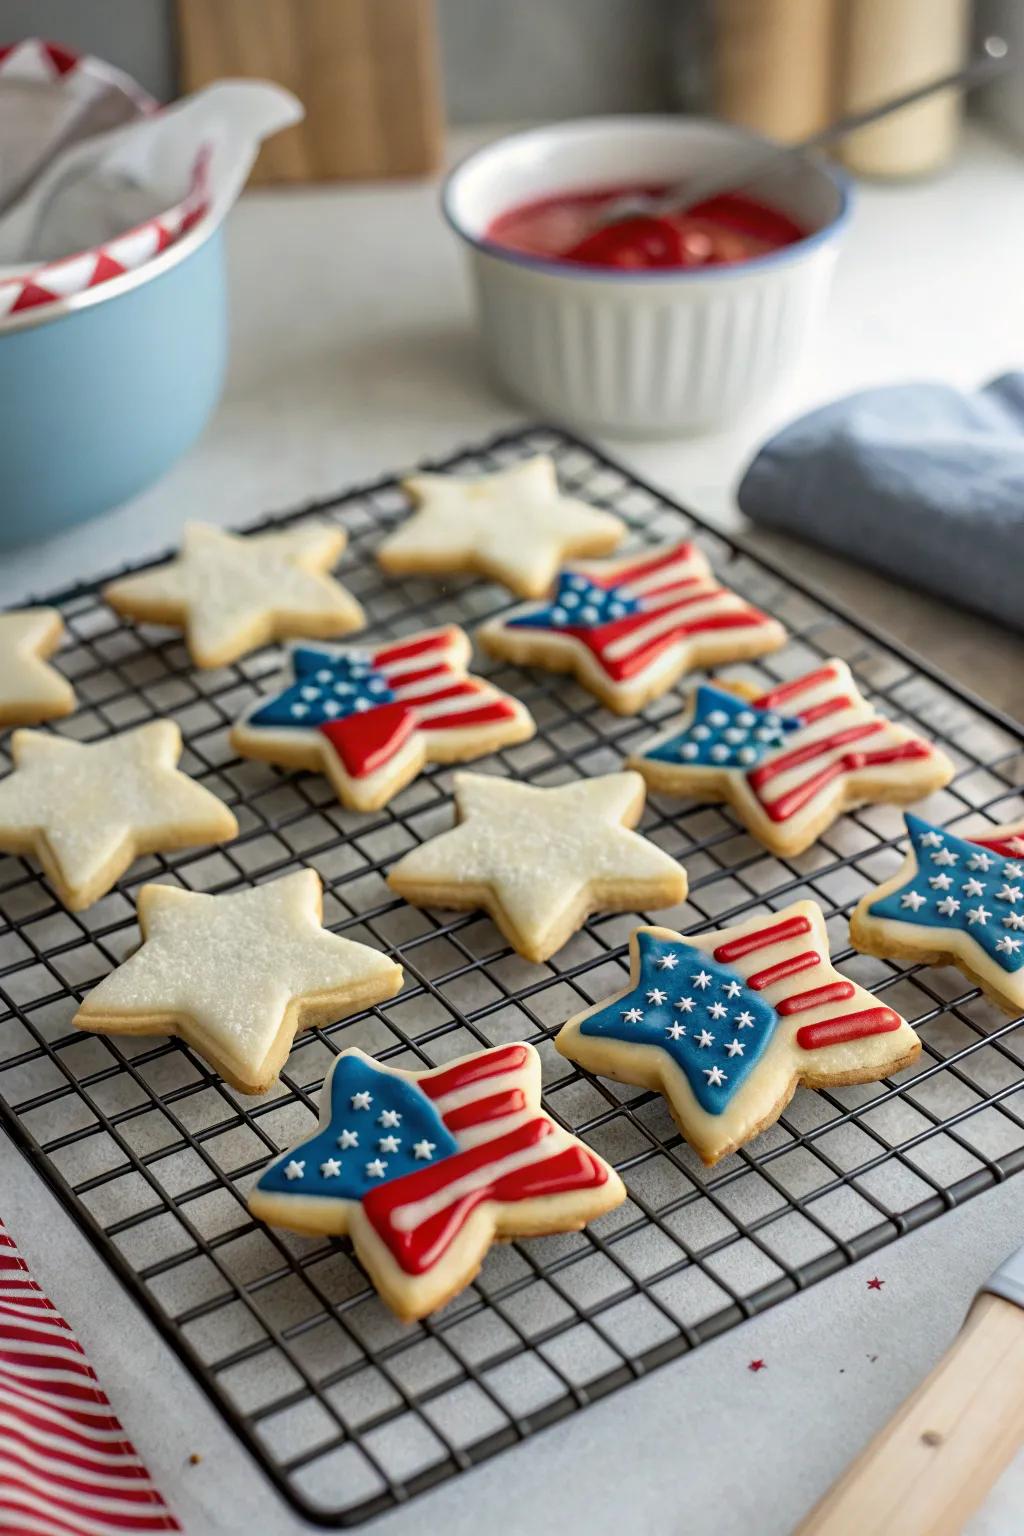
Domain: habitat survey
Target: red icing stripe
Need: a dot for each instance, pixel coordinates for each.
(778, 933)
(774, 973)
(420, 675)
(596, 640)
(500, 709)
(784, 691)
(1002, 845)
(459, 690)
(786, 805)
(832, 992)
(849, 1026)
(641, 568)
(404, 650)
(365, 742)
(799, 755)
(480, 1111)
(825, 708)
(503, 1059)
(682, 585)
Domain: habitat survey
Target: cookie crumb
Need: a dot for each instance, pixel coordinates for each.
(931, 1437)
(194, 1459)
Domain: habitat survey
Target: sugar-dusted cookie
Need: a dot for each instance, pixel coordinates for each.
(370, 719)
(30, 689)
(514, 526)
(85, 811)
(726, 1025)
(955, 900)
(237, 976)
(424, 1170)
(792, 760)
(628, 628)
(232, 594)
(541, 860)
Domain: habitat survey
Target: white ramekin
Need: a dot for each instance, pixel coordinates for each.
(648, 353)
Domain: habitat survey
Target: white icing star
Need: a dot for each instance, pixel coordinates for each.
(685, 1004)
(1014, 920)
(633, 1015)
(719, 753)
(734, 1047)
(388, 1144)
(949, 906)
(718, 718)
(1013, 872)
(982, 861)
(376, 1169)
(978, 915)
(361, 1100)
(939, 882)
(732, 989)
(656, 997)
(667, 962)
(912, 899)
(1009, 893)
(330, 1169)
(348, 1139)
(718, 1011)
(675, 1031)
(715, 1076)
(931, 840)
(744, 1021)
(973, 887)
(389, 1118)
(702, 979)
(1008, 946)
(704, 1039)
(424, 1150)
(294, 1169)
(945, 856)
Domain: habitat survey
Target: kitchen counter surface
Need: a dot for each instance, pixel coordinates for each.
(353, 356)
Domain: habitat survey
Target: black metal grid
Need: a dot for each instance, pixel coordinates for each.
(346, 1410)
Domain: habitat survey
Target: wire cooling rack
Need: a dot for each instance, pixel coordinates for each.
(348, 1411)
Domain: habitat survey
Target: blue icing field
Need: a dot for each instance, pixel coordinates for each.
(725, 732)
(381, 1128)
(714, 1027)
(965, 888)
(580, 604)
(328, 686)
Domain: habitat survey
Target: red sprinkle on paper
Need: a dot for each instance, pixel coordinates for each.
(757, 1365)
(874, 1284)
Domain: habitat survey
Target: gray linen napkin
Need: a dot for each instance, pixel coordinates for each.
(921, 481)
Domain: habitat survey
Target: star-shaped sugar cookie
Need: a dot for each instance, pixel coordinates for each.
(541, 860)
(726, 1025)
(85, 811)
(791, 760)
(424, 1170)
(233, 594)
(955, 900)
(628, 628)
(514, 526)
(30, 689)
(237, 976)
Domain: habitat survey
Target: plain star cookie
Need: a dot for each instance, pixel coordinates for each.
(424, 1170)
(956, 900)
(237, 976)
(727, 1024)
(370, 719)
(629, 628)
(541, 860)
(232, 594)
(30, 689)
(514, 526)
(85, 811)
(793, 759)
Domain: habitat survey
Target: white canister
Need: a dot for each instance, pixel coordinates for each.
(642, 353)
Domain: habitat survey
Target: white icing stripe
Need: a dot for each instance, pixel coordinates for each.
(679, 570)
(483, 1088)
(879, 740)
(488, 1130)
(407, 1217)
(457, 705)
(720, 601)
(428, 684)
(395, 670)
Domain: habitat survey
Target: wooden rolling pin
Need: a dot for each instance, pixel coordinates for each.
(930, 1468)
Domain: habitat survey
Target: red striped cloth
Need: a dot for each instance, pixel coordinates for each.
(66, 1466)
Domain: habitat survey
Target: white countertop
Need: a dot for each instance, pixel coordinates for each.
(353, 356)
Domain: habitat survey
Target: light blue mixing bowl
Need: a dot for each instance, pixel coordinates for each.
(102, 392)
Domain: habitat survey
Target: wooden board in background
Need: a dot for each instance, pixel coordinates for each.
(366, 71)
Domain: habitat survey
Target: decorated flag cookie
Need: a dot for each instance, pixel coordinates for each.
(85, 811)
(30, 689)
(370, 719)
(956, 900)
(629, 628)
(727, 1024)
(514, 526)
(237, 976)
(793, 759)
(541, 860)
(424, 1170)
(232, 594)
